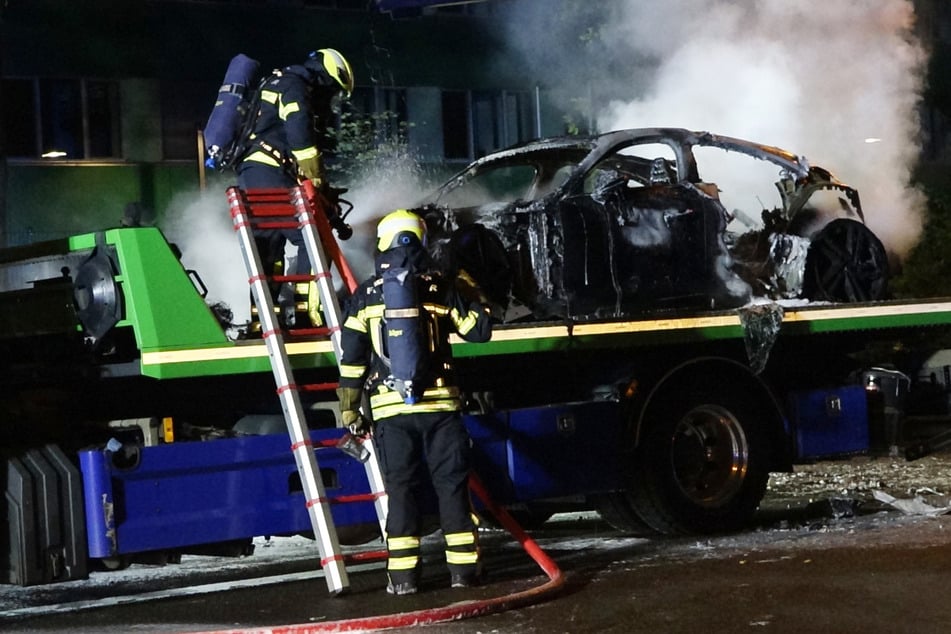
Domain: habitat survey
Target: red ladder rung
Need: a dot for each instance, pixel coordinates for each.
(267, 194)
(356, 497)
(318, 387)
(367, 555)
(320, 331)
(277, 224)
(292, 278)
(270, 210)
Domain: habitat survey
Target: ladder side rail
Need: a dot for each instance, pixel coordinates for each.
(318, 506)
(313, 222)
(323, 277)
(381, 502)
(318, 204)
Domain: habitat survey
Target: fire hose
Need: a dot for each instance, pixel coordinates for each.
(455, 611)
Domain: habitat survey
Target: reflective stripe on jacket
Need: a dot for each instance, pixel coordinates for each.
(286, 121)
(363, 366)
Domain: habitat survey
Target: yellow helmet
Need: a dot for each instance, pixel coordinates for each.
(399, 229)
(336, 66)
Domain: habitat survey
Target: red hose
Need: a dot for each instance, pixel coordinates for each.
(453, 612)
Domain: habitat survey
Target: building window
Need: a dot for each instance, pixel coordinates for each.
(60, 118)
(455, 124)
(490, 120)
(186, 106)
(20, 133)
(380, 112)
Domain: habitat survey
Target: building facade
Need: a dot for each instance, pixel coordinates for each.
(102, 101)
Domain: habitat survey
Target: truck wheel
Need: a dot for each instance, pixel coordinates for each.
(846, 263)
(617, 509)
(528, 517)
(702, 464)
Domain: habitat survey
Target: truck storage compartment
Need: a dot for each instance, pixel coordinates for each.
(829, 422)
(547, 452)
(184, 494)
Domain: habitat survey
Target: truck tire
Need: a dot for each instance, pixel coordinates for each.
(617, 509)
(702, 463)
(529, 517)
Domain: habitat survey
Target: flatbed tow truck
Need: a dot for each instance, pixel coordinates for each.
(136, 428)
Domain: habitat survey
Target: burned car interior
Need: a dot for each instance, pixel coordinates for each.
(622, 223)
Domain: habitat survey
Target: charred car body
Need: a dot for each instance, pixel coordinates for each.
(615, 224)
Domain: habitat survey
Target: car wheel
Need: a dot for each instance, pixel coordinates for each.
(846, 263)
(702, 463)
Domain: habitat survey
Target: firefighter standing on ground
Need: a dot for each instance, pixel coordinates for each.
(297, 103)
(432, 425)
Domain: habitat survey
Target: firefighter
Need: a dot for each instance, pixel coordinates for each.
(297, 104)
(428, 422)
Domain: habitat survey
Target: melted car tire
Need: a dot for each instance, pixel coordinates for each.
(702, 464)
(846, 263)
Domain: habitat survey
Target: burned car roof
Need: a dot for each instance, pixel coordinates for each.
(624, 222)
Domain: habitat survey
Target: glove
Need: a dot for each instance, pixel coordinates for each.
(469, 288)
(349, 398)
(355, 422)
(312, 169)
(350, 416)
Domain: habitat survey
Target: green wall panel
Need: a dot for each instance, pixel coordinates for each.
(55, 201)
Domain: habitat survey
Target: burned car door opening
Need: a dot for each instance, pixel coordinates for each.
(620, 223)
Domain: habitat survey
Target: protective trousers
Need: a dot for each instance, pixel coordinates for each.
(408, 443)
(270, 247)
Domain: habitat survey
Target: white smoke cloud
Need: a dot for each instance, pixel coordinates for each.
(816, 77)
(199, 224)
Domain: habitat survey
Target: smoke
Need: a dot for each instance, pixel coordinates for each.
(392, 181)
(199, 224)
(816, 77)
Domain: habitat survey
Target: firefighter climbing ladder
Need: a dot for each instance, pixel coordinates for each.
(302, 207)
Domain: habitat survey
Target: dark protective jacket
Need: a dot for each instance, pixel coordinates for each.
(449, 306)
(285, 128)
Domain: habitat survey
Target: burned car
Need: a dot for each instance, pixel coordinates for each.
(592, 227)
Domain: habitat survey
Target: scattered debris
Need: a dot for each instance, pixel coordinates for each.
(913, 506)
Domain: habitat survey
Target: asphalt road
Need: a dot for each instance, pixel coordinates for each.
(832, 561)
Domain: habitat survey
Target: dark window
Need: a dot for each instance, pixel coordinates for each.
(455, 124)
(497, 119)
(518, 118)
(186, 106)
(18, 118)
(485, 123)
(60, 118)
(102, 104)
(373, 116)
(393, 102)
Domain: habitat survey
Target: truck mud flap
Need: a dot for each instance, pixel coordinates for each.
(45, 528)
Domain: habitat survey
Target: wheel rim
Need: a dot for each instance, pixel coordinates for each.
(709, 455)
(849, 263)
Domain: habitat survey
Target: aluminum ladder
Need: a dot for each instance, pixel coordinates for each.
(305, 208)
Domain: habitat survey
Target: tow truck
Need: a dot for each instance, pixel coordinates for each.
(136, 428)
